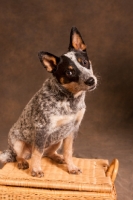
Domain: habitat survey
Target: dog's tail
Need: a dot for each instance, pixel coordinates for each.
(7, 156)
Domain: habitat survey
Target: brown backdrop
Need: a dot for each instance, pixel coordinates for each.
(27, 27)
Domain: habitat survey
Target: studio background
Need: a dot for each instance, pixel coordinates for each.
(27, 27)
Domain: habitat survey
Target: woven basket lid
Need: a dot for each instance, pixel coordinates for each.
(92, 178)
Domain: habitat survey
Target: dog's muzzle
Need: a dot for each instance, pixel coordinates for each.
(91, 82)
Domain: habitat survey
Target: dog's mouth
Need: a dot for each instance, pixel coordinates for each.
(92, 88)
(91, 83)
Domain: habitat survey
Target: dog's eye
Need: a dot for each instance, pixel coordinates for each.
(69, 73)
(85, 63)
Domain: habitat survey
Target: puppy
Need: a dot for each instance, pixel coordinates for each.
(53, 115)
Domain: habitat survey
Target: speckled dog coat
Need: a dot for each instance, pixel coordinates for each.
(55, 112)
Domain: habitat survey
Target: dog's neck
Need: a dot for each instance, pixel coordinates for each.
(61, 92)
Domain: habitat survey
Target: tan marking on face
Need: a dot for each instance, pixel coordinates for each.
(61, 80)
(79, 60)
(70, 67)
(75, 87)
(72, 87)
(77, 42)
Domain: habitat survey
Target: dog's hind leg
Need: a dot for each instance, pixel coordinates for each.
(19, 147)
(51, 152)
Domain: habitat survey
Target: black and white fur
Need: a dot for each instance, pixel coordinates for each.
(53, 115)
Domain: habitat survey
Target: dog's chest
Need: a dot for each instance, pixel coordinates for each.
(67, 114)
(57, 121)
(65, 122)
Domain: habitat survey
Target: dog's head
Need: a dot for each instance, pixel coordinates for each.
(73, 70)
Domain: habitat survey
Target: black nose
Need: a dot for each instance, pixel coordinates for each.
(90, 81)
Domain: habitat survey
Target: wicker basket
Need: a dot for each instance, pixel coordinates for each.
(95, 182)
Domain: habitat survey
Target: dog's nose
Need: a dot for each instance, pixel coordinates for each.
(90, 81)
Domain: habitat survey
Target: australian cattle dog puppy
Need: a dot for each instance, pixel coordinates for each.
(52, 117)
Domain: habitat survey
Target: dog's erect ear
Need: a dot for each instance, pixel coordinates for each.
(76, 41)
(49, 61)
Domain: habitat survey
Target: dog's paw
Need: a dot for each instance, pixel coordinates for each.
(38, 174)
(58, 158)
(74, 170)
(23, 165)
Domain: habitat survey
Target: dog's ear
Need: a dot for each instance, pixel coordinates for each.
(49, 61)
(76, 41)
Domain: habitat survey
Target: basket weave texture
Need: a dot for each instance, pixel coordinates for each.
(57, 183)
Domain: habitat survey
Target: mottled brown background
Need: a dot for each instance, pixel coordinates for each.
(27, 27)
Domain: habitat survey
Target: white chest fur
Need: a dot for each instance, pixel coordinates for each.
(60, 120)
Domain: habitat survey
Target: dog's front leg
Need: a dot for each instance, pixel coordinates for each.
(36, 169)
(37, 153)
(67, 153)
